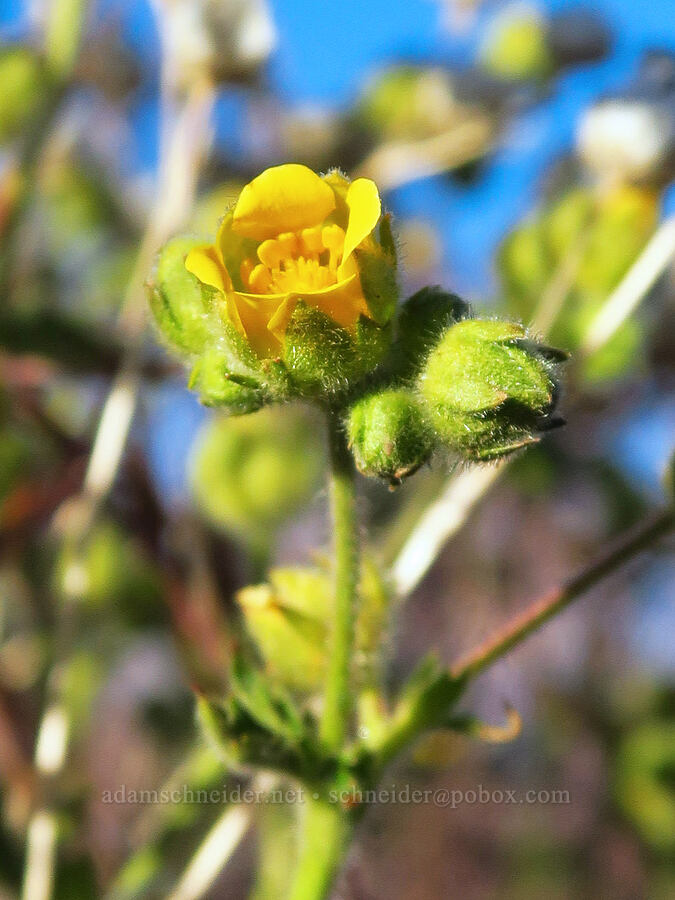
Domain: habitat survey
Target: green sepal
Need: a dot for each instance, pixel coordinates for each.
(217, 386)
(377, 270)
(258, 726)
(268, 704)
(431, 691)
(181, 305)
(322, 358)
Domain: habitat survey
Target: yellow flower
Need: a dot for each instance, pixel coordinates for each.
(291, 237)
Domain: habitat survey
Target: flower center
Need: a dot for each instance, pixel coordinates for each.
(305, 260)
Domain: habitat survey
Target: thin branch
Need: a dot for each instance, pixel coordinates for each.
(624, 299)
(218, 846)
(397, 163)
(541, 611)
(439, 522)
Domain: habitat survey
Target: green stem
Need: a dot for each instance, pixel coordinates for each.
(338, 696)
(325, 834)
(326, 825)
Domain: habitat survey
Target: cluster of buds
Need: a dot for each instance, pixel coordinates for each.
(297, 297)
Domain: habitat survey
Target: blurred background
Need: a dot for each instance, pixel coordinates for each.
(527, 153)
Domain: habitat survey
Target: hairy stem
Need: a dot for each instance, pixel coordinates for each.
(325, 826)
(543, 610)
(337, 699)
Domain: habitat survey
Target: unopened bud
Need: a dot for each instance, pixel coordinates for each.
(490, 388)
(389, 435)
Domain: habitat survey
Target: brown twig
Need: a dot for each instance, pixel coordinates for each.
(544, 609)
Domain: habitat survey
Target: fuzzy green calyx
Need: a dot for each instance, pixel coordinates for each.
(490, 388)
(389, 435)
(322, 358)
(181, 306)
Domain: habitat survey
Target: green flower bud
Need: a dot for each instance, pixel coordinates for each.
(250, 474)
(181, 305)
(389, 435)
(290, 618)
(490, 389)
(23, 81)
(423, 318)
(110, 571)
(517, 47)
(408, 102)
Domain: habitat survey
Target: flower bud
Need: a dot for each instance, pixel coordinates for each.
(404, 102)
(490, 389)
(23, 80)
(389, 435)
(288, 619)
(516, 47)
(246, 472)
(423, 318)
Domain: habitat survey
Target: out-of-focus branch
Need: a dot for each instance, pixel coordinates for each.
(642, 275)
(540, 612)
(218, 846)
(186, 134)
(400, 162)
(438, 523)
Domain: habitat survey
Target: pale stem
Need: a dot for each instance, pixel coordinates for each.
(181, 156)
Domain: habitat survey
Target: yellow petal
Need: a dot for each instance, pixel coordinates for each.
(234, 249)
(254, 313)
(205, 263)
(365, 209)
(279, 321)
(343, 302)
(281, 199)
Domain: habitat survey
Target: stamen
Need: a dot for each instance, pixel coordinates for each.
(311, 241)
(260, 280)
(334, 240)
(245, 270)
(307, 260)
